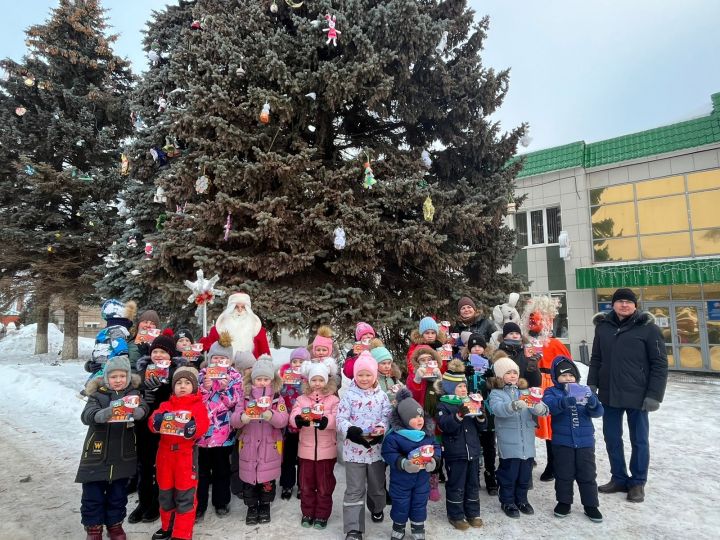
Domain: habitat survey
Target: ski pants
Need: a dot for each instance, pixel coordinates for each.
(177, 481)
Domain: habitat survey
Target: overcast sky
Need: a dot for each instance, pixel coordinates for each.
(581, 70)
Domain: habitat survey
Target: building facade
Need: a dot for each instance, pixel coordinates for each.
(639, 211)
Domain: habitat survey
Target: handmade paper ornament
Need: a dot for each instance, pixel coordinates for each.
(181, 209)
(154, 57)
(442, 44)
(333, 33)
(339, 238)
(202, 184)
(29, 81)
(132, 242)
(265, 114)
(369, 180)
(196, 25)
(148, 250)
(29, 170)
(273, 7)
(111, 259)
(20, 111)
(171, 150)
(158, 156)
(240, 71)
(124, 165)
(162, 104)
(428, 209)
(425, 157)
(228, 225)
(311, 95)
(135, 272)
(138, 122)
(160, 196)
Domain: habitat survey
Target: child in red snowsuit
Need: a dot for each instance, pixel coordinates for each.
(181, 421)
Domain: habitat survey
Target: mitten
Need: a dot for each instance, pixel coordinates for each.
(103, 415)
(430, 467)
(463, 410)
(301, 421)
(540, 409)
(138, 413)
(149, 396)
(593, 388)
(650, 404)
(157, 421)
(355, 434)
(409, 467)
(267, 415)
(322, 423)
(469, 370)
(437, 372)
(245, 419)
(152, 383)
(190, 428)
(419, 374)
(592, 401)
(518, 405)
(532, 362)
(92, 366)
(376, 440)
(569, 401)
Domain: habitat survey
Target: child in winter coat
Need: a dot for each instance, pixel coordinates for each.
(409, 479)
(364, 334)
(291, 375)
(260, 439)
(461, 448)
(428, 333)
(388, 371)
(322, 351)
(512, 345)
(362, 416)
(109, 454)
(181, 421)
(314, 414)
(515, 429)
(573, 439)
(221, 390)
(155, 390)
(244, 362)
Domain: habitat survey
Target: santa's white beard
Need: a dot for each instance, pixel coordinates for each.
(243, 327)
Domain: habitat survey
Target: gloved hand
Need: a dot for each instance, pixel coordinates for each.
(419, 374)
(267, 415)
(322, 423)
(437, 372)
(138, 413)
(532, 362)
(569, 401)
(469, 370)
(430, 467)
(354, 434)
(157, 421)
(518, 405)
(463, 410)
(650, 404)
(153, 383)
(593, 388)
(245, 419)
(149, 396)
(301, 421)
(540, 409)
(592, 401)
(409, 467)
(92, 366)
(103, 415)
(190, 428)
(376, 440)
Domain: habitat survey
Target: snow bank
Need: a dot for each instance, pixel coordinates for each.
(21, 344)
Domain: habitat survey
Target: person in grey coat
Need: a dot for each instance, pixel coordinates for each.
(515, 430)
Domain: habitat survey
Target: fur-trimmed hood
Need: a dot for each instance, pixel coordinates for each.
(499, 384)
(276, 384)
(417, 339)
(420, 351)
(329, 389)
(97, 384)
(641, 318)
(394, 371)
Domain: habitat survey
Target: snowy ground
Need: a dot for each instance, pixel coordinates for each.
(43, 435)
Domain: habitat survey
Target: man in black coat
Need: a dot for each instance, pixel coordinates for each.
(628, 369)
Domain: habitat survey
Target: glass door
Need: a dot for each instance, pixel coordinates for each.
(663, 318)
(690, 329)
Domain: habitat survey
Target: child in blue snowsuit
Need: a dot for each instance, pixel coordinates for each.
(409, 481)
(573, 440)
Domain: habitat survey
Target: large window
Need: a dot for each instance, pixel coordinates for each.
(657, 219)
(538, 227)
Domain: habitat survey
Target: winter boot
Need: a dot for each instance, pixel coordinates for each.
(320, 524)
(593, 513)
(417, 530)
(222, 511)
(398, 531)
(136, 515)
(151, 515)
(162, 534)
(252, 516)
(286, 494)
(378, 518)
(264, 513)
(132, 485)
(636, 494)
(459, 524)
(491, 483)
(354, 535)
(561, 510)
(307, 522)
(434, 488)
(510, 510)
(116, 532)
(475, 521)
(526, 508)
(94, 532)
(548, 474)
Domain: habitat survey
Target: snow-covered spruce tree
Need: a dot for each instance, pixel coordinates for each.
(283, 123)
(65, 112)
(151, 154)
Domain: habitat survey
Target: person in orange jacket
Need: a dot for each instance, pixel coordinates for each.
(181, 421)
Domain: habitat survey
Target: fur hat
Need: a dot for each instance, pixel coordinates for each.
(466, 301)
(323, 338)
(263, 368)
(149, 315)
(117, 363)
(166, 343)
(476, 339)
(365, 362)
(420, 350)
(222, 347)
(186, 372)
(318, 369)
(510, 327)
(184, 333)
(503, 365)
(363, 328)
(407, 407)
(244, 360)
(454, 375)
(300, 353)
(624, 294)
(428, 323)
(563, 364)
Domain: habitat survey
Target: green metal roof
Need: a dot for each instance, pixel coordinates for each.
(689, 134)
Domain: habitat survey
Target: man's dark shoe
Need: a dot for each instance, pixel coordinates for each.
(636, 494)
(612, 487)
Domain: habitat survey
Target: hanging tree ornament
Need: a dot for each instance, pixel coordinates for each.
(29, 80)
(148, 251)
(265, 113)
(369, 180)
(160, 222)
(171, 148)
(273, 7)
(294, 5)
(442, 44)
(311, 95)
(333, 33)
(20, 111)
(203, 293)
(162, 104)
(228, 225)
(339, 238)
(29, 170)
(196, 25)
(132, 242)
(159, 156)
(425, 157)
(428, 209)
(202, 183)
(124, 165)
(160, 197)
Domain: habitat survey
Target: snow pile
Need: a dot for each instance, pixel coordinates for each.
(21, 344)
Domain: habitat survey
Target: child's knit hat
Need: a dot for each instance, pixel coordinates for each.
(318, 369)
(244, 360)
(503, 365)
(476, 339)
(166, 343)
(381, 354)
(149, 315)
(363, 328)
(323, 338)
(563, 364)
(511, 327)
(301, 353)
(184, 333)
(222, 347)
(186, 372)
(427, 323)
(263, 368)
(454, 375)
(407, 407)
(117, 363)
(365, 362)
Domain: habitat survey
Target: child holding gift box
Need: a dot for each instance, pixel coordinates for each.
(461, 426)
(515, 429)
(109, 455)
(388, 371)
(362, 416)
(261, 424)
(404, 450)
(221, 391)
(322, 352)
(364, 334)
(180, 421)
(314, 413)
(573, 438)
(292, 377)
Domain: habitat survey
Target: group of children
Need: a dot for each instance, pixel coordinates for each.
(238, 416)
